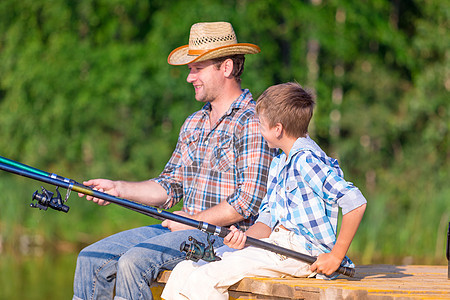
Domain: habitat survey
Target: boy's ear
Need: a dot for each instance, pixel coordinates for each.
(279, 130)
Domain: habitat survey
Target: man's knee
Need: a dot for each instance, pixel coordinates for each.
(134, 265)
(128, 261)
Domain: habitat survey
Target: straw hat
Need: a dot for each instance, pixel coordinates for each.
(208, 41)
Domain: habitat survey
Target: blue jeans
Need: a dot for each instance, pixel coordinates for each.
(130, 261)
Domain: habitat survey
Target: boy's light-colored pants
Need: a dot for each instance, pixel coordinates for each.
(201, 280)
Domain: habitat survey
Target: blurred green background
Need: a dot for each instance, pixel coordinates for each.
(86, 92)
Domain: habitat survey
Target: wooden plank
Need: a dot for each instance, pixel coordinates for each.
(370, 282)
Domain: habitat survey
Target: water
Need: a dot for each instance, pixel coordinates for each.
(36, 276)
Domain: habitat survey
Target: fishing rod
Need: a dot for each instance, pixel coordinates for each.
(57, 202)
(196, 250)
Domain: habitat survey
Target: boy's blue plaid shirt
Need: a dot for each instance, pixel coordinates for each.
(304, 193)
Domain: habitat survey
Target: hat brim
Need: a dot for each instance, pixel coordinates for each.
(180, 55)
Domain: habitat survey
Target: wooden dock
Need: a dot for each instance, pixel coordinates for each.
(370, 282)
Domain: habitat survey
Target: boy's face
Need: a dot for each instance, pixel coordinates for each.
(269, 134)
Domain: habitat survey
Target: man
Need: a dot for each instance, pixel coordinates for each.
(218, 168)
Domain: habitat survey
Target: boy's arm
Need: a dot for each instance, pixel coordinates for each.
(328, 263)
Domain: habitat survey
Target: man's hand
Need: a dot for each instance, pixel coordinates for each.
(101, 185)
(326, 263)
(175, 226)
(235, 239)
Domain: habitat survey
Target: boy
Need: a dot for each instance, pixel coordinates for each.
(299, 212)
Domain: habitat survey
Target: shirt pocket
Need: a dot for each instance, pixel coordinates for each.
(293, 195)
(222, 158)
(189, 147)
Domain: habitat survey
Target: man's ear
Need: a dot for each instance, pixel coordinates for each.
(227, 67)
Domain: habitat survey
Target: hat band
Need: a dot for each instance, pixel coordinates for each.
(196, 52)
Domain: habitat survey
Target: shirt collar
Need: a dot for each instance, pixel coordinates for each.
(302, 144)
(243, 100)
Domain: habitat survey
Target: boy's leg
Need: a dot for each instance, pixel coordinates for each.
(182, 271)
(177, 280)
(212, 280)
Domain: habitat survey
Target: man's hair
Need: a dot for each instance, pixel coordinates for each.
(238, 64)
(288, 104)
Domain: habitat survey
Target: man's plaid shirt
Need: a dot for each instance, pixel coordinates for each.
(228, 162)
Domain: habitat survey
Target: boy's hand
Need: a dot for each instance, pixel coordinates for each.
(326, 263)
(235, 239)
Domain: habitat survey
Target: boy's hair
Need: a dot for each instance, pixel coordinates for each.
(238, 64)
(288, 104)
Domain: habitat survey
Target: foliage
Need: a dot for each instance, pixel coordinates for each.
(86, 92)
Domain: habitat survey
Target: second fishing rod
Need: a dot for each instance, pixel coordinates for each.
(46, 199)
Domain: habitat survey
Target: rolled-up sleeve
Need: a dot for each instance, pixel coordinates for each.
(253, 158)
(329, 186)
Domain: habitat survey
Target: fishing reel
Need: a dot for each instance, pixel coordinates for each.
(46, 200)
(197, 250)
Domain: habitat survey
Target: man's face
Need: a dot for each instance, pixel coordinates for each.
(206, 79)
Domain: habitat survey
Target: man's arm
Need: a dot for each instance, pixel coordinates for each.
(222, 214)
(151, 193)
(327, 263)
(253, 158)
(145, 192)
(148, 192)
